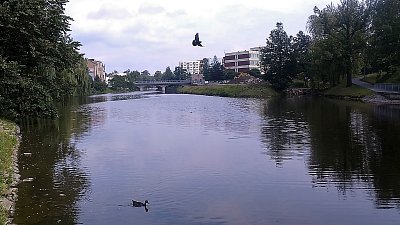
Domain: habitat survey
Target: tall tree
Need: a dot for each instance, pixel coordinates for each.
(119, 83)
(158, 75)
(145, 75)
(385, 45)
(34, 38)
(168, 75)
(217, 70)
(325, 51)
(342, 28)
(206, 69)
(180, 73)
(277, 58)
(301, 44)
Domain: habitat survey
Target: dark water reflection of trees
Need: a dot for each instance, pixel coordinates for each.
(348, 145)
(59, 180)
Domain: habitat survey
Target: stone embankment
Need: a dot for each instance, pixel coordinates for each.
(9, 198)
(380, 100)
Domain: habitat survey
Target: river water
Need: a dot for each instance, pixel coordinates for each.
(211, 160)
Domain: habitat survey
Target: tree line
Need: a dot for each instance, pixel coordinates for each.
(212, 71)
(39, 61)
(348, 39)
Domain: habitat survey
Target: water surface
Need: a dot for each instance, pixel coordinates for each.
(212, 160)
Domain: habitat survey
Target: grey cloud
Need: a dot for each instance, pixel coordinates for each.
(177, 13)
(109, 13)
(147, 9)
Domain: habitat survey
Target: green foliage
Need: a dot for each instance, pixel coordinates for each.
(301, 45)
(181, 74)
(231, 74)
(277, 59)
(158, 75)
(119, 83)
(339, 34)
(385, 45)
(255, 73)
(245, 91)
(216, 70)
(168, 75)
(99, 86)
(213, 71)
(39, 60)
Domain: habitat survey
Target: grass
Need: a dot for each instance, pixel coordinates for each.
(230, 90)
(374, 78)
(371, 78)
(8, 142)
(348, 92)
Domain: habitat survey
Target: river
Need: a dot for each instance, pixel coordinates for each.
(211, 160)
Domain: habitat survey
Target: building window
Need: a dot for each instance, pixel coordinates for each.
(244, 56)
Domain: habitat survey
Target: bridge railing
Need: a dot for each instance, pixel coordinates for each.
(163, 82)
(386, 87)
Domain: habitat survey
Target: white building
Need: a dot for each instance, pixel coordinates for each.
(192, 67)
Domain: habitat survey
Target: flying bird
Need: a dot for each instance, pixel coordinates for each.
(196, 41)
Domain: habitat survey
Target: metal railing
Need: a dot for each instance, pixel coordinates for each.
(163, 82)
(386, 87)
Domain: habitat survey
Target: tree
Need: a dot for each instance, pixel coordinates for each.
(217, 70)
(277, 58)
(180, 73)
(158, 75)
(168, 75)
(145, 75)
(385, 45)
(119, 83)
(342, 31)
(230, 74)
(206, 69)
(325, 51)
(255, 73)
(301, 44)
(46, 62)
(99, 86)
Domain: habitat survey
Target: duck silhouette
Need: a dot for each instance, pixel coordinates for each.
(140, 204)
(196, 41)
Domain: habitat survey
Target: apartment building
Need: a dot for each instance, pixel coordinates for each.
(96, 69)
(242, 61)
(192, 67)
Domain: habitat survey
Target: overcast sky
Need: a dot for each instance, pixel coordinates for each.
(153, 34)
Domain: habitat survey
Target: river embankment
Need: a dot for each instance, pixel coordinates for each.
(359, 93)
(9, 175)
(353, 93)
(230, 90)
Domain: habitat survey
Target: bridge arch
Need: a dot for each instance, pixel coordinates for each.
(142, 85)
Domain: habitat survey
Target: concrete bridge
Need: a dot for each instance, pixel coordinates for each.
(143, 85)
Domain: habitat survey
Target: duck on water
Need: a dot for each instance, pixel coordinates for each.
(140, 204)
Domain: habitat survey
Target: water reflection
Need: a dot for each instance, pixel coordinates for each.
(59, 179)
(119, 97)
(285, 130)
(348, 145)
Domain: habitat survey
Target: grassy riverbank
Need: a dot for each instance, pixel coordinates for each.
(230, 90)
(353, 92)
(8, 143)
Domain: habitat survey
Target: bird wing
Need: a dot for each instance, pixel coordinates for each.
(196, 37)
